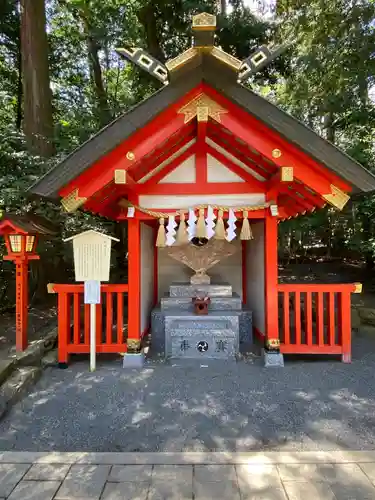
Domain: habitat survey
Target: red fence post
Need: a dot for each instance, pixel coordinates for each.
(63, 328)
(271, 277)
(345, 323)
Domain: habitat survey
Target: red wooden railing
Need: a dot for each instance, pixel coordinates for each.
(74, 320)
(315, 319)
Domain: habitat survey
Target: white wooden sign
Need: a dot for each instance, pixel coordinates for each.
(92, 258)
(92, 255)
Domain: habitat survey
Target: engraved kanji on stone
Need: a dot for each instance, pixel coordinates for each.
(221, 345)
(184, 345)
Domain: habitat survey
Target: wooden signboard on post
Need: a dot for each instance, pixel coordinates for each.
(92, 258)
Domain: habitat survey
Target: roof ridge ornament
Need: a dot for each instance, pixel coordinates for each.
(204, 27)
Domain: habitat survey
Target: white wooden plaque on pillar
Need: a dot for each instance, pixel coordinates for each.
(92, 258)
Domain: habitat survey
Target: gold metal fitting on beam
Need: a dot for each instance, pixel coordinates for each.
(276, 153)
(120, 176)
(336, 197)
(73, 201)
(357, 288)
(190, 110)
(130, 155)
(287, 174)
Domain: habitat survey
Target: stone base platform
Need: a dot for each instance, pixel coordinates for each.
(176, 331)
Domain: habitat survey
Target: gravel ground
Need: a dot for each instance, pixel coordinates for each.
(184, 406)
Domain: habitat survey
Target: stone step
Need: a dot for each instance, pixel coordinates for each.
(184, 290)
(217, 303)
(185, 321)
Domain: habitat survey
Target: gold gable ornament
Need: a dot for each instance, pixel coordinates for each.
(190, 110)
(73, 201)
(336, 197)
(204, 22)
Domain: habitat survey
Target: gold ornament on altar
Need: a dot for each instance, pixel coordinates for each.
(202, 258)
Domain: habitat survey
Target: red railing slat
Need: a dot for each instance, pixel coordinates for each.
(308, 318)
(320, 318)
(286, 318)
(120, 317)
(76, 318)
(331, 318)
(99, 337)
(109, 321)
(297, 316)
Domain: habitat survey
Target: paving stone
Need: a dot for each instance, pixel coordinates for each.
(346, 474)
(171, 490)
(208, 473)
(298, 490)
(369, 470)
(84, 482)
(35, 490)
(124, 473)
(217, 490)
(10, 475)
(47, 472)
(254, 478)
(265, 494)
(353, 492)
(179, 473)
(125, 491)
(305, 472)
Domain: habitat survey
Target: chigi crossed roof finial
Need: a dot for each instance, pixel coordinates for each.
(203, 26)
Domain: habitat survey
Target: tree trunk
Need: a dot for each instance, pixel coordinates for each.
(222, 6)
(147, 18)
(19, 90)
(38, 121)
(97, 78)
(329, 128)
(96, 70)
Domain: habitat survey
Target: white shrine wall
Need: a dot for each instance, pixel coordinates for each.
(255, 275)
(229, 270)
(147, 274)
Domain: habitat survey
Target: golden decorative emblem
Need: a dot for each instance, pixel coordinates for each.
(130, 155)
(357, 288)
(202, 113)
(190, 110)
(204, 22)
(336, 197)
(226, 58)
(73, 201)
(276, 153)
(120, 176)
(51, 288)
(287, 174)
(181, 60)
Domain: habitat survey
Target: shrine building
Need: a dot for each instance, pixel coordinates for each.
(202, 172)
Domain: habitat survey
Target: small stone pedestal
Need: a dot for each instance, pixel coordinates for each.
(133, 360)
(272, 359)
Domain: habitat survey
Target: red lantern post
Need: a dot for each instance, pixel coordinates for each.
(20, 234)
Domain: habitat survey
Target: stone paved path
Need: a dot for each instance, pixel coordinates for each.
(193, 476)
(318, 405)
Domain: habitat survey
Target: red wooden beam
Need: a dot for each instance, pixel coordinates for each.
(169, 148)
(167, 169)
(141, 143)
(264, 140)
(246, 160)
(242, 152)
(250, 179)
(195, 188)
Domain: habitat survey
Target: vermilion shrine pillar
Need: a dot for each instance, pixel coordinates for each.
(134, 281)
(271, 278)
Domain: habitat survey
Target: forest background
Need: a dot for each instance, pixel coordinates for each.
(61, 81)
